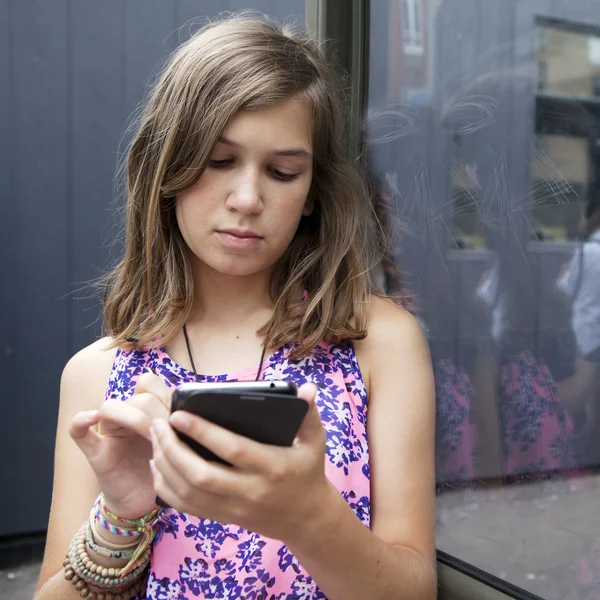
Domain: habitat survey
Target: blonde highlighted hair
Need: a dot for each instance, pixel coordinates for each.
(240, 63)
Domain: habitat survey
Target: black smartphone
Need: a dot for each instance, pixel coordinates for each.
(266, 411)
(269, 412)
(186, 390)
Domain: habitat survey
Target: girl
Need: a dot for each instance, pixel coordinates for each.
(247, 237)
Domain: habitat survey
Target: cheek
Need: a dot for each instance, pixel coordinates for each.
(180, 215)
(187, 212)
(192, 204)
(298, 201)
(291, 210)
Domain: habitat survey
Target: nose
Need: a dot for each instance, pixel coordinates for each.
(245, 195)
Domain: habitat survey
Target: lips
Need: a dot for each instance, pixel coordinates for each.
(240, 233)
(239, 239)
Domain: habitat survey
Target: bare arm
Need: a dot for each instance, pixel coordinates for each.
(396, 559)
(83, 386)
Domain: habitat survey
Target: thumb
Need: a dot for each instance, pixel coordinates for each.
(81, 430)
(311, 427)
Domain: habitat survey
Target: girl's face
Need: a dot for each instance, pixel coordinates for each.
(243, 212)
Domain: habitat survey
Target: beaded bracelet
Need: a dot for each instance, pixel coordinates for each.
(81, 574)
(112, 553)
(110, 578)
(85, 592)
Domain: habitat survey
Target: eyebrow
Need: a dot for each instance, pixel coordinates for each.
(301, 152)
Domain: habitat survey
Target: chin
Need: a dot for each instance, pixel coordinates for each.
(238, 268)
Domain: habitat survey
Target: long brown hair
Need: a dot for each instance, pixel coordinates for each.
(234, 64)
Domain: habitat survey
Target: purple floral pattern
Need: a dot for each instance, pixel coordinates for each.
(199, 558)
(456, 433)
(537, 432)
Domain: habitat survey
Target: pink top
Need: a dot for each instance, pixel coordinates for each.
(199, 558)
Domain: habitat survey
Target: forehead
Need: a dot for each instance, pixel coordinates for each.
(282, 126)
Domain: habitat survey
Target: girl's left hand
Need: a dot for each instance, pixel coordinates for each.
(268, 489)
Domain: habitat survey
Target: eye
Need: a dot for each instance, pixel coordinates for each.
(283, 176)
(219, 164)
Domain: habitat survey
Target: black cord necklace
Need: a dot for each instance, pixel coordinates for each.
(189, 350)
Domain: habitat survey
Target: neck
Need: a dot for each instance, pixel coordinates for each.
(226, 300)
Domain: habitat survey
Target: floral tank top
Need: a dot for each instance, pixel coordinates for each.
(199, 558)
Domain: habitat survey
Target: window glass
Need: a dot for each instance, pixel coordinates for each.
(485, 144)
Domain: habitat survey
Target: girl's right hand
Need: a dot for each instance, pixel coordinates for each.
(116, 443)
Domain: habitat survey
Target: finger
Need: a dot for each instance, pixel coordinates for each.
(163, 491)
(311, 427)
(203, 505)
(186, 473)
(152, 384)
(149, 404)
(235, 449)
(116, 414)
(81, 430)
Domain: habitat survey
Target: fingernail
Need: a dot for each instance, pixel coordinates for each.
(149, 370)
(180, 421)
(158, 426)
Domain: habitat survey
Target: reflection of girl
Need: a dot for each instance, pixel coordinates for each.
(536, 430)
(457, 432)
(247, 237)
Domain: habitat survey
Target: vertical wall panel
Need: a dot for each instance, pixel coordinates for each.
(7, 214)
(150, 35)
(97, 98)
(39, 195)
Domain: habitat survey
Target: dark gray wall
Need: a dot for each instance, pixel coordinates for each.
(71, 74)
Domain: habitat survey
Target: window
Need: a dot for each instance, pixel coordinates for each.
(489, 171)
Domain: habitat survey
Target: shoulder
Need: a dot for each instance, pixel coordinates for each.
(98, 356)
(89, 370)
(395, 340)
(391, 323)
(391, 328)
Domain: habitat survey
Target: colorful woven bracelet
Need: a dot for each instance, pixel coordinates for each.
(139, 524)
(101, 519)
(143, 526)
(99, 538)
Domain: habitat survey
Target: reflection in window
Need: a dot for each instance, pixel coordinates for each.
(572, 60)
(560, 174)
(495, 203)
(412, 21)
(567, 125)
